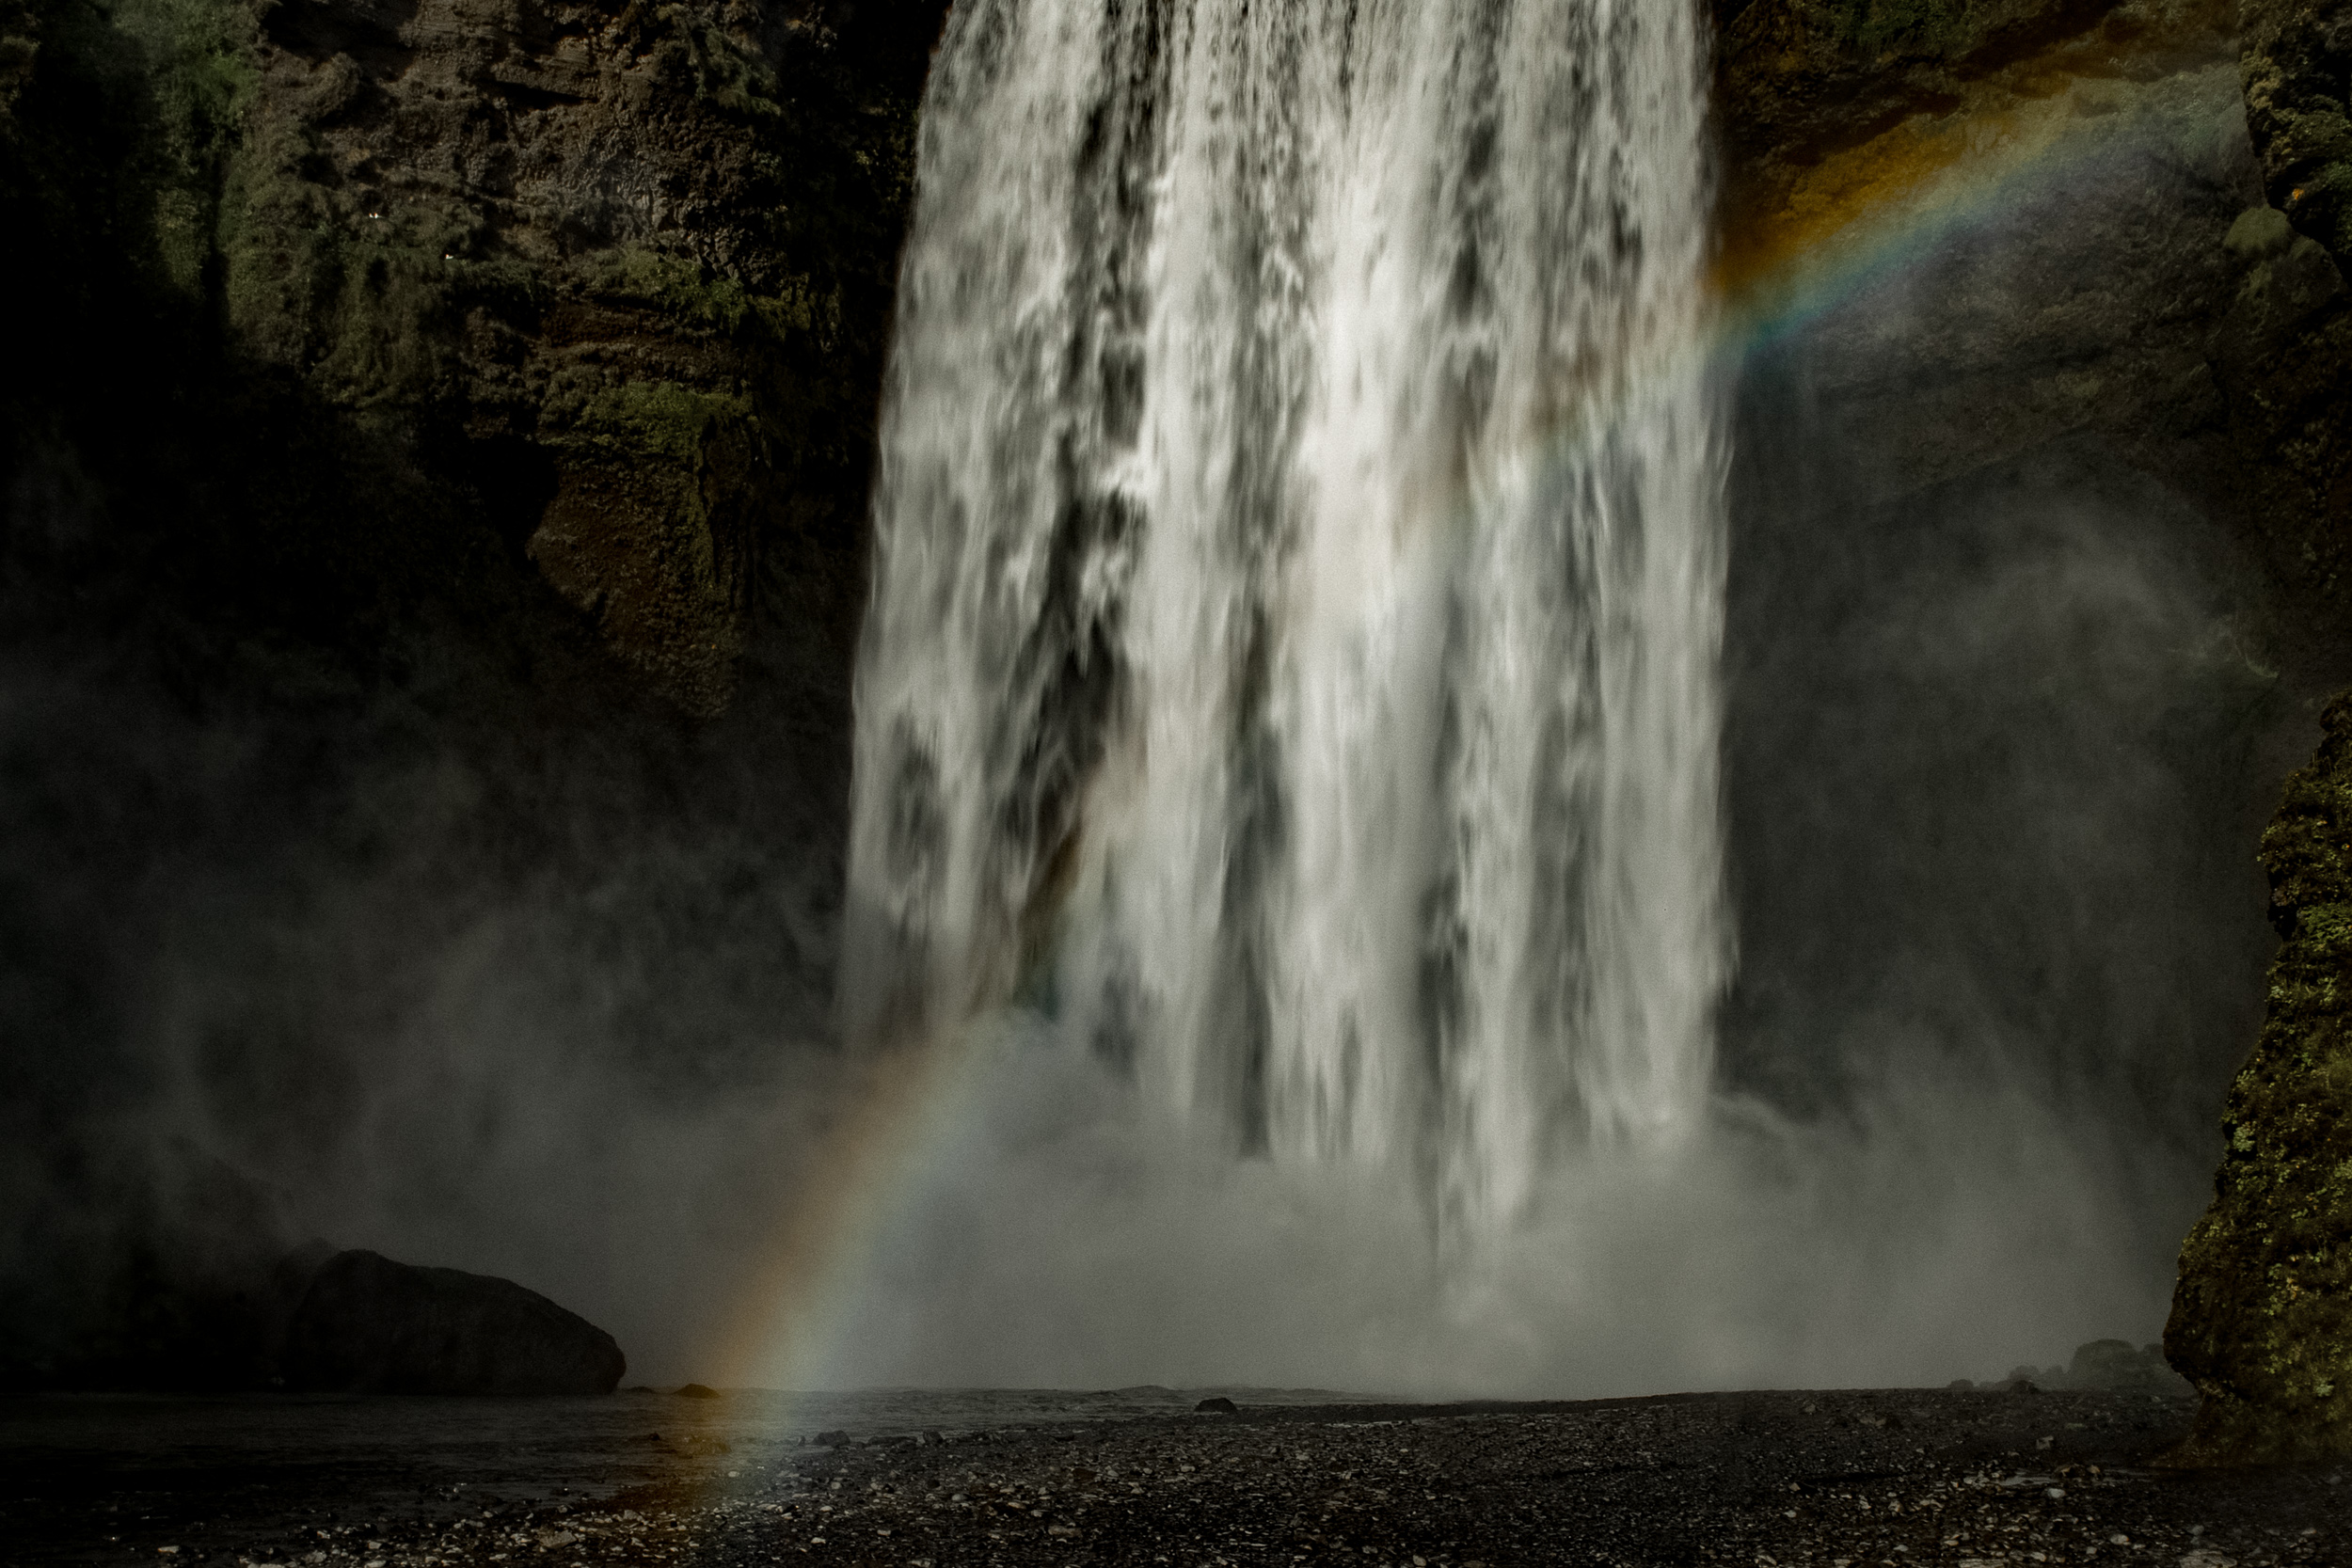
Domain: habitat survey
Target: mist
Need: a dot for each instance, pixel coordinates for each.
(1995, 774)
(486, 962)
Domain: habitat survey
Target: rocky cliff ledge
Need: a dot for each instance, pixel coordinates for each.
(2261, 1321)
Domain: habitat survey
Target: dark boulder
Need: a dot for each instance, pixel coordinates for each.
(368, 1324)
(1217, 1405)
(2117, 1366)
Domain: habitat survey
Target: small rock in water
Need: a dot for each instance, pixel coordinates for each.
(836, 1439)
(697, 1391)
(1219, 1405)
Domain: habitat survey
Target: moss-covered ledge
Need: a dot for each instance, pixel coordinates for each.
(2262, 1317)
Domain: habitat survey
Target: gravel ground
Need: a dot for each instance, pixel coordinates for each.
(1844, 1480)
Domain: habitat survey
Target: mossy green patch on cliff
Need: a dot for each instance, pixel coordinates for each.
(201, 66)
(725, 75)
(174, 80)
(658, 419)
(2262, 1317)
(2296, 63)
(695, 298)
(1925, 26)
(650, 528)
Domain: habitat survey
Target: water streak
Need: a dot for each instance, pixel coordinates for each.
(1292, 668)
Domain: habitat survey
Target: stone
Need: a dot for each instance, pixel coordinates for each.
(1218, 1406)
(2262, 1315)
(369, 1324)
(2294, 55)
(2117, 1367)
(2259, 233)
(697, 1391)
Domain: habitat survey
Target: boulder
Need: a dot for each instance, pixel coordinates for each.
(368, 1324)
(2117, 1366)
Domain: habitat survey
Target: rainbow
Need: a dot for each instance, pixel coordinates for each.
(1859, 219)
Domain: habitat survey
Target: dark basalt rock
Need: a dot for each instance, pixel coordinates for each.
(2262, 1317)
(370, 1326)
(2296, 57)
(1217, 1405)
(2105, 1367)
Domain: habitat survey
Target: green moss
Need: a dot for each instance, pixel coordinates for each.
(200, 63)
(694, 296)
(181, 75)
(657, 418)
(724, 75)
(1917, 26)
(2262, 1317)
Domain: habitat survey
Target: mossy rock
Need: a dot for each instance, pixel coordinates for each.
(2296, 57)
(2262, 1317)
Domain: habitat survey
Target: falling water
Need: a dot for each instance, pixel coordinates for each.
(1292, 665)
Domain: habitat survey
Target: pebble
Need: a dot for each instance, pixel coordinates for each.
(1762, 1480)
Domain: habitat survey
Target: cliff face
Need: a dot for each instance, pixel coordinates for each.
(2261, 1321)
(420, 421)
(2025, 272)
(436, 435)
(640, 254)
(608, 283)
(2162, 279)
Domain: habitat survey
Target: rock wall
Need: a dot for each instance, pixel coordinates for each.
(433, 451)
(2023, 273)
(435, 444)
(2262, 1320)
(608, 283)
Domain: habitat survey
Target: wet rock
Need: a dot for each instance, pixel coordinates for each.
(697, 1391)
(369, 1324)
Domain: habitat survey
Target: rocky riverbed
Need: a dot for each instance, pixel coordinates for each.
(1845, 1479)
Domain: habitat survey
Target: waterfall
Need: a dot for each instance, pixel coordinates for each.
(1292, 667)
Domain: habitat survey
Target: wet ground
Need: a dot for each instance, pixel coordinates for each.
(1845, 1479)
